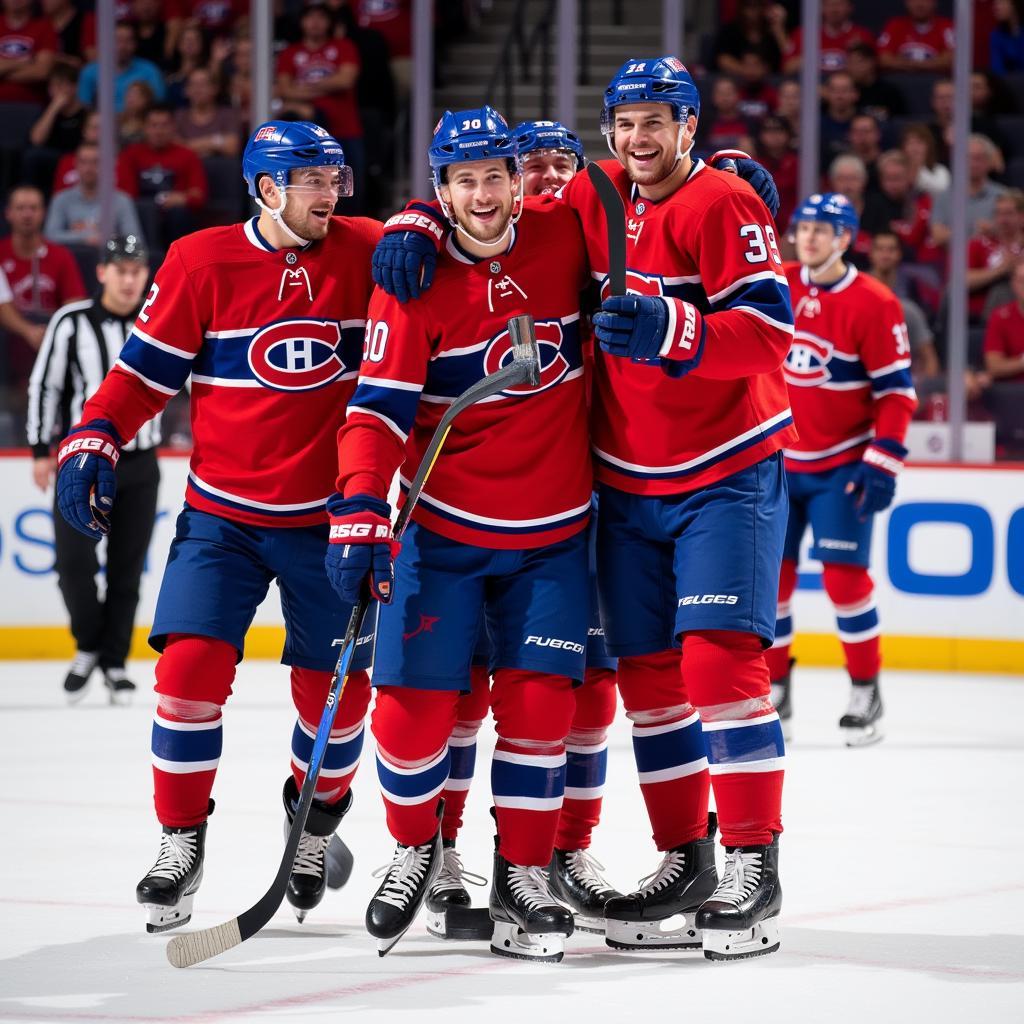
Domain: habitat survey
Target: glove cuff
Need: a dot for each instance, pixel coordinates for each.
(886, 455)
(98, 437)
(339, 506)
(420, 221)
(684, 331)
(726, 154)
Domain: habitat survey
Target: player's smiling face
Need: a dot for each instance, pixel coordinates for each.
(481, 195)
(547, 170)
(312, 195)
(815, 240)
(646, 138)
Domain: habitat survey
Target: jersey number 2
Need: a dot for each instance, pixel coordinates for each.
(760, 243)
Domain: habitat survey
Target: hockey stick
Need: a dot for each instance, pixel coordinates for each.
(193, 948)
(615, 223)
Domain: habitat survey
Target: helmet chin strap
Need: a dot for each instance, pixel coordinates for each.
(517, 210)
(277, 216)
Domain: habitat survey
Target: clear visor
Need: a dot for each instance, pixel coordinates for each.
(545, 154)
(336, 187)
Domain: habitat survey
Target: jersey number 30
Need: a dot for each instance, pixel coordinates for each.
(761, 243)
(375, 340)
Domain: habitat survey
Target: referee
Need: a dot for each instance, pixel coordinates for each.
(82, 342)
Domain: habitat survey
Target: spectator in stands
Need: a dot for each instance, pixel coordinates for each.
(775, 150)
(130, 68)
(865, 141)
(131, 122)
(58, 129)
(757, 95)
(920, 41)
(214, 17)
(393, 20)
(74, 214)
(192, 51)
(28, 48)
(65, 176)
(838, 34)
(878, 98)
(66, 20)
(1004, 335)
(848, 175)
(151, 32)
(897, 206)
(13, 322)
(239, 79)
(758, 25)
(726, 127)
(885, 261)
(989, 99)
(982, 192)
(840, 96)
(788, 107)
(207, 128)
(992, 257)
(918, 145)
(1006, 42)
(941, 125)
(165, 178)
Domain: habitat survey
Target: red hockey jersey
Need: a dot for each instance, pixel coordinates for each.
(848, 369)
(515, 471)
(711, 243)
(272, 342)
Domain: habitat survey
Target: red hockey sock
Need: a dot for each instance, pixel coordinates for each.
(777, 655)
(470, 714)
(412, 729)
(193, 680)
(668, 747)
(727, 679)
(852, 593)
(532, 715)
(309, 695)
(586, 754)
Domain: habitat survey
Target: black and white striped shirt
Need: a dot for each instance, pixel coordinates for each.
(82, 342)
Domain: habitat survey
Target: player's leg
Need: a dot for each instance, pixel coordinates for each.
(214, 581)
(424, 647)
(315, 620)
(728, 553)
(537, 620)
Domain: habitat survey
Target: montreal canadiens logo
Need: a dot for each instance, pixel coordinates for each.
(636, 284)
(296, 355)
(553, 365)
(806, 365)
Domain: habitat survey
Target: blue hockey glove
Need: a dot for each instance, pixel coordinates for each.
(873, 483)
(361, 548)
(754, 174)
(405, 258)
(86, 483)
(649, 329)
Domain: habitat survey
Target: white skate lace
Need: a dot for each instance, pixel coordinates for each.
(586, 869)
(404, 875)
(309, 857)
(453, 875)
(177, 854)
(530, 887)
(742, 876)
(861, 699)
(83, 664)
(670, 868)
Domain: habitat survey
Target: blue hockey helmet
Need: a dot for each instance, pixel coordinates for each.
(533, 135)
(278, 147)
(828, 208)
(480, 133)
(656, 80)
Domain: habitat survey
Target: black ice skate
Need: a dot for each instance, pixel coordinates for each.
(450, 914)
(862, 723)
(167, 890)
(661, 914)
(576, 880)
(529, 922)
(407, 880)
(741, 919)
(77, 678)
(310, 869)
(120, 689)
(782, 699)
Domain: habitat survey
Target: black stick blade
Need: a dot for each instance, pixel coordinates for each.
(615, 222)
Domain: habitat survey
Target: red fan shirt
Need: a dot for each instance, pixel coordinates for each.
(45, 282)
(23, 43)
(306, 67)
(917, 41)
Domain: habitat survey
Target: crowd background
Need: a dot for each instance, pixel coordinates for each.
(183, 88)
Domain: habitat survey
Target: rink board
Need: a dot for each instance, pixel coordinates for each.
(948, 562)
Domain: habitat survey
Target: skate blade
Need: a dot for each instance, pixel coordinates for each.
(591, 925)
(384, 946)
(74, 697)
(511, 941)
(760, 940)
(300, 915)
(679, 931)
(120, 698)
(863, 737)
(163, 919)
(465, 924)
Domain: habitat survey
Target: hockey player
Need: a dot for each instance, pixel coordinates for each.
(500, 531)
(266, 317)
(550, 154)
(690, 414)
(852, 396)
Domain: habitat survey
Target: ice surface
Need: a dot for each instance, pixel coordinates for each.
(901, 865)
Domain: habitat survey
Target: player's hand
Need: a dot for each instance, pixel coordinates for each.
(86, 483)
(652, 329)
(362, 549)
(754, 174)
(403, 262)
(873, 483)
